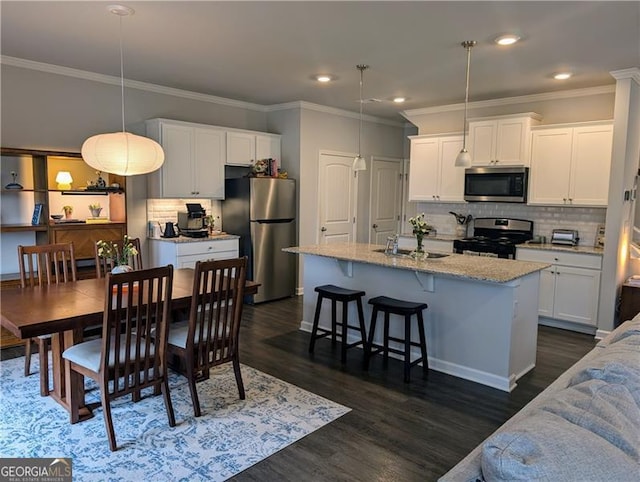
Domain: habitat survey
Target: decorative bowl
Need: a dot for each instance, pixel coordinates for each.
(56, 216)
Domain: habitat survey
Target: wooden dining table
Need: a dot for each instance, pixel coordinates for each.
(64, 310)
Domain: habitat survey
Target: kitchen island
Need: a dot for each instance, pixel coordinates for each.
(482, 319)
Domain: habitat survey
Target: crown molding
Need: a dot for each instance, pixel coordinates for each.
(563, 94)
(633, 73)
(133, 84)
(301, 104)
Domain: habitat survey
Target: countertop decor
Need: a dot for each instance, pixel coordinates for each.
(186, 239)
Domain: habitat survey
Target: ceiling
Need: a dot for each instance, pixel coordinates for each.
(267, 52)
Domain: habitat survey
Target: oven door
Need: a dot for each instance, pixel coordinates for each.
(496, 184)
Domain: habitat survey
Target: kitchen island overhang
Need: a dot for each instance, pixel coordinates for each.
(482, 320)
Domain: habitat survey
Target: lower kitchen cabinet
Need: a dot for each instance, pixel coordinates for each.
(570, 287)
(184, 254)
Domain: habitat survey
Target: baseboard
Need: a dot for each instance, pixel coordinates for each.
(299, 291)
(567, 325)
(600, 334)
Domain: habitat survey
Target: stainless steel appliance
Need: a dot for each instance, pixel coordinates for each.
(496, 184)
(263, 212)
(568, 237)
(496, 237)
(191, 223)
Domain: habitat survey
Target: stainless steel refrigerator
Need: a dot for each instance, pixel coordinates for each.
(262, 211)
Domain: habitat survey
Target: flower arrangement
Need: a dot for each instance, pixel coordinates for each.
(120, 256)
(420, 226)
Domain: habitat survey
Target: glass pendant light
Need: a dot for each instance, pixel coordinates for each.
(464, 158)
(122, 153)
(359, 163)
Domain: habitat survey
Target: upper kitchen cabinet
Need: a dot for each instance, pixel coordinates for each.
(501, 141)
(194, 161)
(433, 175)
(244, 147)
(570, 164)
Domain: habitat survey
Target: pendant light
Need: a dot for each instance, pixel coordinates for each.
(464, 158)
(122, 153)
(359, 163)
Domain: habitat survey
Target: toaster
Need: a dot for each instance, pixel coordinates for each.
(567, 237)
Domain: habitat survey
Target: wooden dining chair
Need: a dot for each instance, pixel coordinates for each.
(105, 265)
(131, 353)
(210, 336)
(42, 265)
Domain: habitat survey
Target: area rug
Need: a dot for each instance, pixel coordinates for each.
(230, 436)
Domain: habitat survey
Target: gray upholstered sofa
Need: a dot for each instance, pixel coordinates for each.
(583, 427)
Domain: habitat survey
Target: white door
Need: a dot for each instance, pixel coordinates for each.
(177, 171)
(208, 152)
(550, 166)
(590, 165)
(451, 177)
(336, 199)
(577, 292)
(385, 203)
(425, 167)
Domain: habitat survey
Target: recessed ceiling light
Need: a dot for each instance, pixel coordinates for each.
(399, 100)
(507, 39)
(562, 75)
(324, 78)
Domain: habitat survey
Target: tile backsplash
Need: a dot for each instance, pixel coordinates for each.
(166, 210)
(545, 218)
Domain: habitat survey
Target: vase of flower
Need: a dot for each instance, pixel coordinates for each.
(420, 229)
(119, 256)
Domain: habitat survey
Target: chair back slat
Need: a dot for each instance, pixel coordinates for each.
(46, 264)
(135, 328)
(216, 311)
(105, 265)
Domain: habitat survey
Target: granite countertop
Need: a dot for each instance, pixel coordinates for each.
(559, 247)
(187, 239)
(457, 265)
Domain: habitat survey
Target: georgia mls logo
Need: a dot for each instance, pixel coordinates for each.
(35, 470)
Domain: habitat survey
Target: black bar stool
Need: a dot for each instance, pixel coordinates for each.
(335, 294)
(403, 308)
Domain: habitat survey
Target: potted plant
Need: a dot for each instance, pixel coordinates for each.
(68, 211)
(95, 209)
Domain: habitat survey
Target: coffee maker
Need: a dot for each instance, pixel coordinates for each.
(191, 223)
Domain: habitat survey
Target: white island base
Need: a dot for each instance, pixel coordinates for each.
(482, 331)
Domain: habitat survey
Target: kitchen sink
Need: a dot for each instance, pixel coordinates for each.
(406, 253)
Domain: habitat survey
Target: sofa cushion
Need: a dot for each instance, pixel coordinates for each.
(618, 364)
(587, 432)
(628, 328)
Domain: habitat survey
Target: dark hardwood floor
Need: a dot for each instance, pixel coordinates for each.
(395, 431)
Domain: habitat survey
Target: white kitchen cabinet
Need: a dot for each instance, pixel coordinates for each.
(433, 176)
(244, 147)
(194, 160)
(570, 287)
(570, 164)
(501, 141)
(185, 254)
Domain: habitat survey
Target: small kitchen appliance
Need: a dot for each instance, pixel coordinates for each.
(568, 237)
(495, 237)
(496, 184)
(191, 223)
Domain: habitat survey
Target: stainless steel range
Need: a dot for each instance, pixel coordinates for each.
(496, 237)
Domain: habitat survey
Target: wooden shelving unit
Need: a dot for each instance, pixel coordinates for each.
(36, 173)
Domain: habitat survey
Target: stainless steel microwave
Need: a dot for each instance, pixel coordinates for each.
(496, 184)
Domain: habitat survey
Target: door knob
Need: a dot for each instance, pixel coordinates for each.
(375, 226)
(323, 229)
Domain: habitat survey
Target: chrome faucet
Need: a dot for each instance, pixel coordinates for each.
(392, 245)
